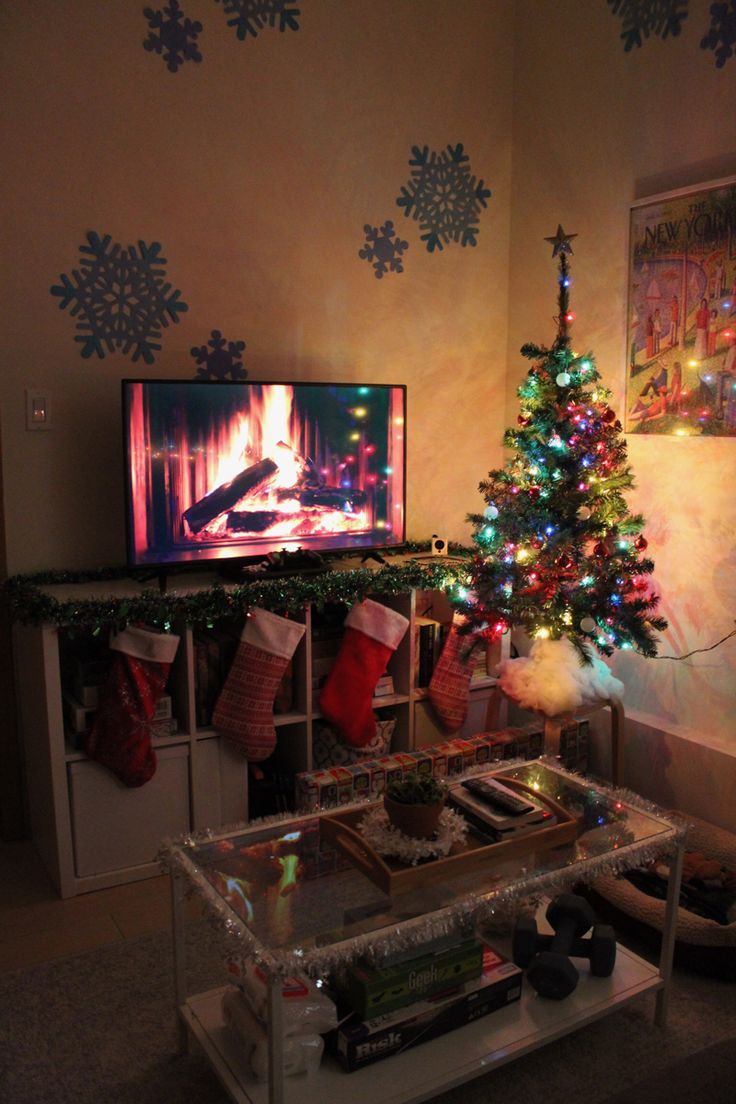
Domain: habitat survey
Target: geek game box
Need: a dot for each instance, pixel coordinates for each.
(361, 1042)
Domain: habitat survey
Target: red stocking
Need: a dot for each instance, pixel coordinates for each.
(449, 687)
(372, 634)
(120, 737)
(244, 709)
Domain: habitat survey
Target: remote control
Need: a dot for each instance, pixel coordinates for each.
(497, 796)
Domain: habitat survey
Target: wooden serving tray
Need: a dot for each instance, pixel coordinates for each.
(393, 876)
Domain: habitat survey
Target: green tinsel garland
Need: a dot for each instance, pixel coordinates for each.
(31, 605)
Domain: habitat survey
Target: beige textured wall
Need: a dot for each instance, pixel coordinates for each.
(595, 128)
(257, 170)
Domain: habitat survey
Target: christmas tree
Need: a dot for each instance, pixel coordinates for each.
(557, 550)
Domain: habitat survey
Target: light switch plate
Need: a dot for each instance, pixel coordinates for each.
(38, 409)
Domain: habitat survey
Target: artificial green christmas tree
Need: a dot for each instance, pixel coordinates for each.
(557, 550)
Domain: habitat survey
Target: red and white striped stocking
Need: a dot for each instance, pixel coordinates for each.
(244, 709)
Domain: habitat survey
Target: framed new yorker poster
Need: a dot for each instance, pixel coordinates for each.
(681, 348)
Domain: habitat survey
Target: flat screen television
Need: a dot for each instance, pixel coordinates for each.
(219, 470)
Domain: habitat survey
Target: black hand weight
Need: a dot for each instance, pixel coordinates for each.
(547, 957)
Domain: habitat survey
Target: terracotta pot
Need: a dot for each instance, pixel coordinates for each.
(417, 821)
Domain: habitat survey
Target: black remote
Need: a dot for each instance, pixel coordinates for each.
(497, 796)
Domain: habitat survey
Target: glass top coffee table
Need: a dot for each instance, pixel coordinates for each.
(283, 893)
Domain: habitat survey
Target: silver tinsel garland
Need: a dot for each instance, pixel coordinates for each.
(385, 839)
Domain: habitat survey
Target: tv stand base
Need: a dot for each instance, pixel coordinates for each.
(276, 565)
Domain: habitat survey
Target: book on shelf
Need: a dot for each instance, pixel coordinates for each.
(427, 642)
(479, 665)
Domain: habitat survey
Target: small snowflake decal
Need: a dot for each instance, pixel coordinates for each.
(251, 16)
(645, 17)
(220, 358)
(383, 248)
(443, 196)
(721, 37)
(120, 297)
(176, 41)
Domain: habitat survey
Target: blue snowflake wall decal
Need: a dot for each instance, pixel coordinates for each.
(443, 196)
(383, 248)
(170, 38)
(251, 16)
(721, 37)
(120, 297)
(645, 17)
(219, 358)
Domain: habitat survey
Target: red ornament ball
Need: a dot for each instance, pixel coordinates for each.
(608, 415)
(565, 562)
(534, 490)
(641, 543)
(523, 419)
(600, 549)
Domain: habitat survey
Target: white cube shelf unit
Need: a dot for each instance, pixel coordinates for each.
(93, 832)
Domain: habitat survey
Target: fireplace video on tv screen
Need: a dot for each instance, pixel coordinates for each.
(219, 470)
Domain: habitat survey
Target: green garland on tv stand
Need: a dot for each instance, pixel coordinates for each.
(32, 603)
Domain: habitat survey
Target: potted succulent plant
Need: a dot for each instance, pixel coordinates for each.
(414, 805)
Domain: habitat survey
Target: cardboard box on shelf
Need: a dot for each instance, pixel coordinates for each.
(315, 790)
(374, 991)
(360, 1043)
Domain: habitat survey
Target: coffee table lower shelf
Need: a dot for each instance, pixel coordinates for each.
(450, 1060)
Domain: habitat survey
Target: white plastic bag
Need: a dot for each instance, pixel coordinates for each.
(302, 1053)
(304, 1006)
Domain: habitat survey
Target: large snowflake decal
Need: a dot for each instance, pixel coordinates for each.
(443, 196)
(220, 358)
(721, 37)
(120, 297)
(251, 16)
(645, 17)
(169, 37)
(383, 248)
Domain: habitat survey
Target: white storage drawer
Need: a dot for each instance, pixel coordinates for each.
(114, 826)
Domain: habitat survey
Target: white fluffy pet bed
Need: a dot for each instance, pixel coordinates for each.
(701, 943)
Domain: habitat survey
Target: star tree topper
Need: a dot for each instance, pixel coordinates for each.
(561, 241)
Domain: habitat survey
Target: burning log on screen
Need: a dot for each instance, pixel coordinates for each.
(333, 498)
(226, 495)
(252, 521)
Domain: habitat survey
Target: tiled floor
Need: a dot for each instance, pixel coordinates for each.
(37, 926)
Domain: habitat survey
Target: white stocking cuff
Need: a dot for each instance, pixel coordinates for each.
(272, 633)
(144, 644)
(377, 621)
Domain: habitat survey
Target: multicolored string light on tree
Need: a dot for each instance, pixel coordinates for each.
(557, 550)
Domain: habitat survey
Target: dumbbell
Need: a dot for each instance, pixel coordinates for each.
(547, 957)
